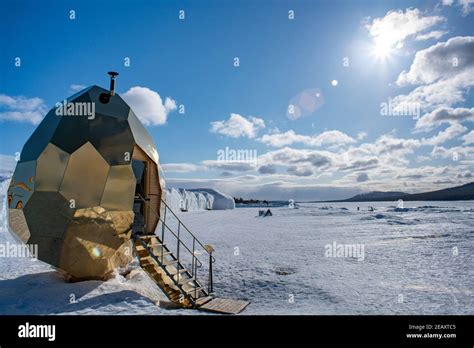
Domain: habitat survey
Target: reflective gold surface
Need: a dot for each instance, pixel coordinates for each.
(113, 139)
(72, 192)
(142, 137)
(119, 189)
(22, 184)
(92, 248)
(48, 214)
(85, 176)
(50, 168)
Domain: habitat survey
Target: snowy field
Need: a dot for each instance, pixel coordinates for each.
(417, 260)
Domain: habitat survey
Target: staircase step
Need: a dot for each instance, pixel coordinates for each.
(144, 253)
(166, 253)
(170, 262)
(148, 236)
(173, 273)
(140, 246)
(222, 305)
(145, 260)
(148, 262)
(203, 300)
(185, 280)
(199, 288)
(149, 265)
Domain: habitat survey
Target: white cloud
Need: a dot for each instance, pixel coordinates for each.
(238, 126)
(283, 139)
(462, 152)
(468, 138)
(447, 2)
(267, 169)
(288, 156)
(396, 26)
(445, 72)
(300, 171)
(233, 166)
(148, 105)
(332, 137)
(388, 144)
(22, 109)
(443, 60)
(362, 177)
(283, 189)
(179, 167)
(381, 165)
(444, 115)
(435, 34)
(466, 5)
(449, 133)
(76, 88)
(361, 135)
(442, 93)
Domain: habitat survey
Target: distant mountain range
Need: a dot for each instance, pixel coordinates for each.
(458, 193)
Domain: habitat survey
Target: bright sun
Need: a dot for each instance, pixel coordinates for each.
(382, 50)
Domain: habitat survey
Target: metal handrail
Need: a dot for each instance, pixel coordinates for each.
(187, 229)
(154, 257)
(196, 262)
(174, 234)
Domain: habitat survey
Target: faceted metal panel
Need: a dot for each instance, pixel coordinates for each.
(119, 189)
(22, 184)
(92, 247)
(112, 137)
(17, 222)
(72, 131)
(48, 214)
(142, 137)
(49, 248)
(115, 106)
(80, 93)
(85, 177)
(50, 168)
(40, 137)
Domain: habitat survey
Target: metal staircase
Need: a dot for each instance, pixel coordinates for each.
(178, 262)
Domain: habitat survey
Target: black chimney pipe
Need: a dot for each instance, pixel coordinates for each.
(112, 75)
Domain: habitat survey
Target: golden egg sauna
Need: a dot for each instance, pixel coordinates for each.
(89, 192)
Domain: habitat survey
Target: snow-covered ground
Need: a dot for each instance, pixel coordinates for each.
(417, 260)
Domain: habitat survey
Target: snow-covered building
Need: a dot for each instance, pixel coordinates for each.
(198, 199)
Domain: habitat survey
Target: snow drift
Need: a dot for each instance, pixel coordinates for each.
(198, 199)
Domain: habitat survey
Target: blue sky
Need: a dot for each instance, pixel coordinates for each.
(340, 146)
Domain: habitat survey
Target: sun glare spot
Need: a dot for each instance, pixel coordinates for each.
(381, 50)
